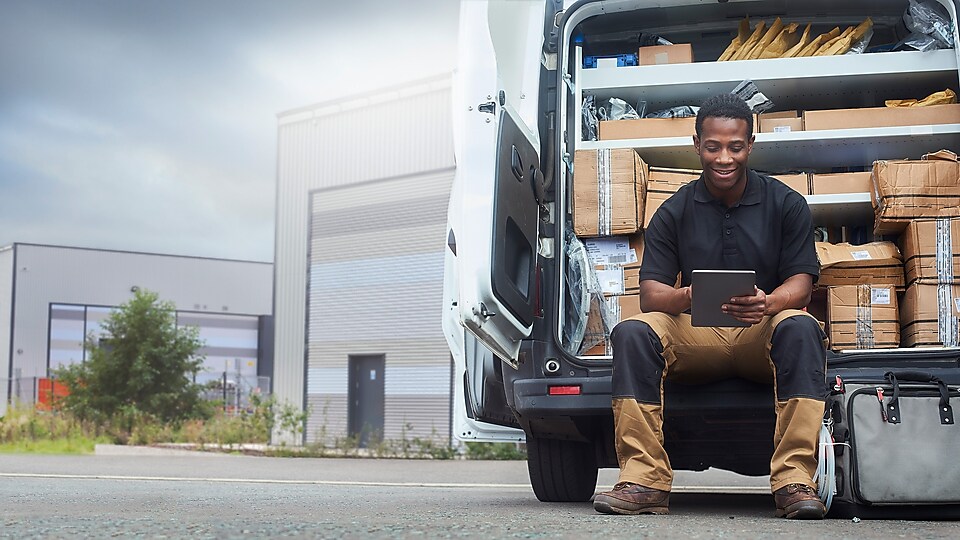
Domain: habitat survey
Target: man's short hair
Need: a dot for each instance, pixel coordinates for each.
(725, 106)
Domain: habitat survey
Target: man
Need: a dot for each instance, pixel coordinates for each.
(736, 219)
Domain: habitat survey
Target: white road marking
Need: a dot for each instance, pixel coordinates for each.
(751, 490)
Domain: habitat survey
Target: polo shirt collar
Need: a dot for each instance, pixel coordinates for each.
(751, 195)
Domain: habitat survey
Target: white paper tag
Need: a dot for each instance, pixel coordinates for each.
(661, 58)
(880, 297)
(611, 281)
(609, 251)
(956, 302)
(781, 129)
(860, 255)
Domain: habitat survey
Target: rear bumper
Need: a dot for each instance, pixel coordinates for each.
(533, 399)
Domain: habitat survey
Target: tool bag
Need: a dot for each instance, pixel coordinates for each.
(896, 443)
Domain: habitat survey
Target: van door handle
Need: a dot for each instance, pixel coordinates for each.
(515, 164)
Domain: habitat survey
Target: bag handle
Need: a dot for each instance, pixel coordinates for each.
(893, 408)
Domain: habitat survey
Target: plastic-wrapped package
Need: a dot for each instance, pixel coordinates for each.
(616, 109)
(587, 320)
(927, 17)
(860, 45)
(683, 111)
(755, 99)
(588, 111)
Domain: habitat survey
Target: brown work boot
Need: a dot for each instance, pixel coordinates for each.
(629, 498)
(798, 501)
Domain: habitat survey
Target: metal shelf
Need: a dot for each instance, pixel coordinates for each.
(840, 208)
(791, 83)
(805, 150)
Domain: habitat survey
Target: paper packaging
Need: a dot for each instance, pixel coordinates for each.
(876, 263)
(798, 182)
(661, 185)
(832, 183)
(681, 53)
(616, 260)
(780, 121)
(931, 251)
(881, 117)
(623, 307)
(930, 314)
(608, 188)
(863, 317)
(904, 190)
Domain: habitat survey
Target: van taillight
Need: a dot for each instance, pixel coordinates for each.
(573, 390)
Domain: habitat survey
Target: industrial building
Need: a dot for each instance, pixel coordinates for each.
(52, 297)
(362, 191)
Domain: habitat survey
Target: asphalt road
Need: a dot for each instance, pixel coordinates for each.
(221, 496)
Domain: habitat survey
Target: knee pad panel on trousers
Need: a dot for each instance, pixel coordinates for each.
(798, 352)
(638, 362)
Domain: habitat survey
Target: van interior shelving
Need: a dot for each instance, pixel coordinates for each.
(813, 83)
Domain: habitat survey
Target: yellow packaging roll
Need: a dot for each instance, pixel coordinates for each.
(822, 51)
(782, 43)
(818, 42)
(804, 41)
(751, 41)
(743, 33)
(766, 40)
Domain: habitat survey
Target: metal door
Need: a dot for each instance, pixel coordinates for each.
(366, 399)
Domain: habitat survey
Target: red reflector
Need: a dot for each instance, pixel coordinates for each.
(564, 390)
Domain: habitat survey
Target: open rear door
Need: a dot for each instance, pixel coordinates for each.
(498, 163)
(491, 260)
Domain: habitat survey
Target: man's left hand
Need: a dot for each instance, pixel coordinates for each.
(748, 309)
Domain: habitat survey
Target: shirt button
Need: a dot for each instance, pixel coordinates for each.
(728, 231)
(727, 215)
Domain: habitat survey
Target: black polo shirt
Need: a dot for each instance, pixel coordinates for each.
(769, 231)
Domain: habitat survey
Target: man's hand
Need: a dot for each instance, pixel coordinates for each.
(748, 309)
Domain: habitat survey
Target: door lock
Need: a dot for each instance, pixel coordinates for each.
(489, 107)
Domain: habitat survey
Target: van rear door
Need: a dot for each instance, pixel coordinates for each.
(494, 217)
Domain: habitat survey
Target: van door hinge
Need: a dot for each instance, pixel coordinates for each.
(489, 107)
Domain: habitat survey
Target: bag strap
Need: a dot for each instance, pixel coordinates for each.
(893, 408)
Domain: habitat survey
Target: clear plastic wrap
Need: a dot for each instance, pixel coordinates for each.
(587, 318)
(682, 111)
(588, 111)
(928, 18)
(616, 109)
(861, 44)
(748, 92)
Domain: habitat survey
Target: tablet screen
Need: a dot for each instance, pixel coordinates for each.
(712, 289)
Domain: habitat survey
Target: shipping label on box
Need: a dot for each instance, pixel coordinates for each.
(608, 185)
(904, 190)
(681, 53)
(931, 315)
(779, 122)
(845, 264)
(662, 183)
(863, 317)
(834, 183)
(931, 251)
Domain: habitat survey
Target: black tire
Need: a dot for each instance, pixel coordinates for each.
(561, 471)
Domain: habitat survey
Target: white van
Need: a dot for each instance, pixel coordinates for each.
(517, 110)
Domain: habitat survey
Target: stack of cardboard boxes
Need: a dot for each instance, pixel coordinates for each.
(930, 310)
(861, 285)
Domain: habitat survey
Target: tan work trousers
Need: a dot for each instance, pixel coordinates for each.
(703, 354)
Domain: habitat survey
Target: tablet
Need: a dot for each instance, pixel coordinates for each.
(712, 289)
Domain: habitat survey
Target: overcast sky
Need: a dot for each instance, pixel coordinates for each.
(150, 125)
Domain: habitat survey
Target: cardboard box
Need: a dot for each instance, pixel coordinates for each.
(881, 117)
(622, 308)
(617, 280)
(904, 190)
(930, 314)
(863, 317)
(798, 182)
(849, 182)
(779, 122)
(646, 128)
(661, 185)
(876, 263)
(681, 53)
(931, 251)
(608, 189)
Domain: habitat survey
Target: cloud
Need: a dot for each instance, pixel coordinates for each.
(151, 126)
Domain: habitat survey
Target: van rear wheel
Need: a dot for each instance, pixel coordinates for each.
(561, 471)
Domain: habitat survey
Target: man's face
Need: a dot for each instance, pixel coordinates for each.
(723, 148)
